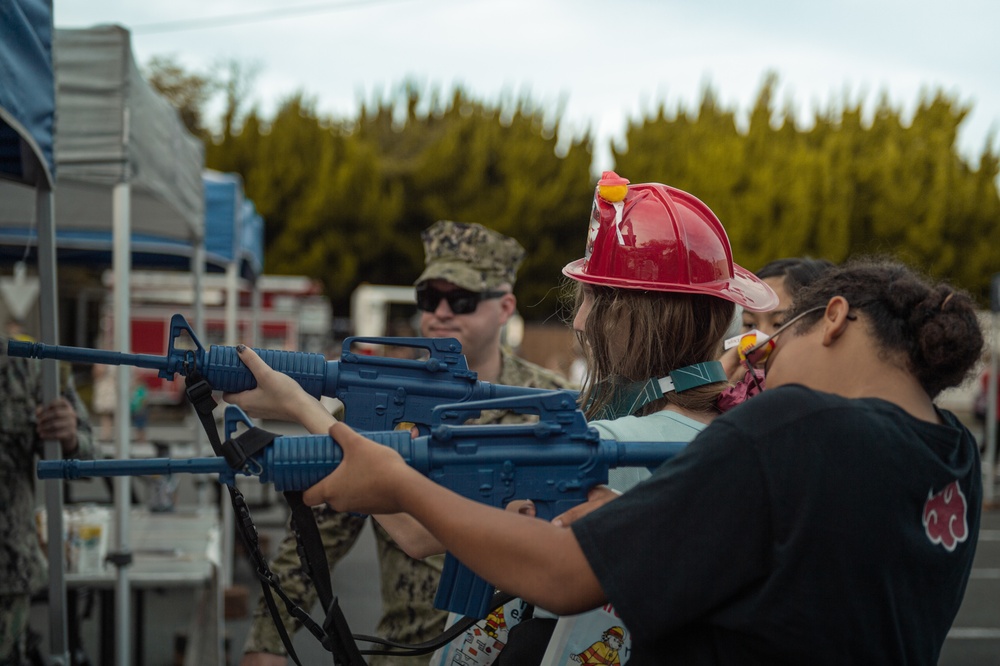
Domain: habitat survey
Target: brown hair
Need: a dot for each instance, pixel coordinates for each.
(634, 335)
(933, 326)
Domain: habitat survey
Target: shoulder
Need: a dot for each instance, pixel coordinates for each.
(664, 426)
(519, 372)
(19, 377)
(775, 408)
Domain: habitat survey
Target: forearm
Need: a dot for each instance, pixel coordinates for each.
(278, 396)
(412, 537)
(532, 558)
(312, 415)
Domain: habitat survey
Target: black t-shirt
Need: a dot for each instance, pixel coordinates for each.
(800, 527)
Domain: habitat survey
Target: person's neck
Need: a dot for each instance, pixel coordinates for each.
(882, 380)
(699, 416)
(898, 387)
(488, 367)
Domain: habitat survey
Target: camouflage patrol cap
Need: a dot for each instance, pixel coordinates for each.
(469, 256)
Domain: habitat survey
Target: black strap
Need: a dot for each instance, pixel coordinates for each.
(445, 637)
(310, 546)
(335, 634)
(238, 451)
(251, 543)
(199, 392)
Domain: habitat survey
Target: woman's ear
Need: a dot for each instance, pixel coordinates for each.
(835, 319)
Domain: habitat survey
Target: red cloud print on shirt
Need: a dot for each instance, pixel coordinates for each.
(945, 517)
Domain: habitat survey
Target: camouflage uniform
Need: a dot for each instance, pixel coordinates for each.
(22, 565)
(472, 257)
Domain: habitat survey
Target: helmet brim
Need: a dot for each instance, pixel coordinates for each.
(744, 289)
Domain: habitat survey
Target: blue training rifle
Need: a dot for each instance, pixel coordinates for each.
(553, 462)
(378, 392)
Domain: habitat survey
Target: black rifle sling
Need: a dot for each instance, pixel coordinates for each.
(442, 639)
(335, 635)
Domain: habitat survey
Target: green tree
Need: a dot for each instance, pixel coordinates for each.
(189, 92)
(848, 185)
(345, 200)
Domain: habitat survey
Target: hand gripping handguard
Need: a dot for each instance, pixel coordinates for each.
(553, 462)
(378, 392)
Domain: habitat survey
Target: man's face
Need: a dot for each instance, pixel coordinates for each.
(477, 331)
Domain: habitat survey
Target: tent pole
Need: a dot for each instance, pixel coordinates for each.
(121, 266)
(199, 436)
(228, 519)
(49, 314)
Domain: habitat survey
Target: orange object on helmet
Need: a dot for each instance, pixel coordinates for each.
(659, 238)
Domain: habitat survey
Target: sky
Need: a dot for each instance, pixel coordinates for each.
(602, 63)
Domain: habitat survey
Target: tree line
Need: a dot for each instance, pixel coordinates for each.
(345, 199)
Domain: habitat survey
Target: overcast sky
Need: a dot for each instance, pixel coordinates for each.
(607, 60)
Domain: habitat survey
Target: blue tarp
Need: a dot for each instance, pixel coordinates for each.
(27, 90)
(228, 237)
(233, 228)
(112, 129)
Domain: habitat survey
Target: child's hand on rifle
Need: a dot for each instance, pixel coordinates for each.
(278, 396)
(367, 479)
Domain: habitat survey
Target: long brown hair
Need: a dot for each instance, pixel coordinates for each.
(634, 335)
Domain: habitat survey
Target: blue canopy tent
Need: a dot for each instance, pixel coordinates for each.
(126, 166)
(27, 115)
(234, 231)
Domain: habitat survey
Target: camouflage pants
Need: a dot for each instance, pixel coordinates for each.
(408, 589)
(14, 609)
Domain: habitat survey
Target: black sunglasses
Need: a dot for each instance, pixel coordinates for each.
(460, 301)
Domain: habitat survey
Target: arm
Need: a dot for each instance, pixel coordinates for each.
(279, 397)
(418, 543)
(534, 559)
(412, 537)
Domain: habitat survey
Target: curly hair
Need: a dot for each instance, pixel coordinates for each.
(930, 324)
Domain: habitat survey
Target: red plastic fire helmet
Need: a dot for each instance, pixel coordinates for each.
(658, 238)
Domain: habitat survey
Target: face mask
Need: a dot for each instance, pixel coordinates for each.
(628, 397)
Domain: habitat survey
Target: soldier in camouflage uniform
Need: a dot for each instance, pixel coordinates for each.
(24, 425)
(478, 266)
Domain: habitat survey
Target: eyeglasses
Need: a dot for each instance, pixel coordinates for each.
(460, 301)
(758, 351)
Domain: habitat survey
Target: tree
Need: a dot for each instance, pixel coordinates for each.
(188, 92)
(345, 200)
(848, 185)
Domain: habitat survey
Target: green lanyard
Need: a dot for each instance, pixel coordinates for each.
(629, 398)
